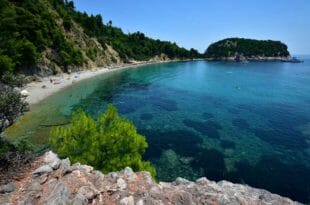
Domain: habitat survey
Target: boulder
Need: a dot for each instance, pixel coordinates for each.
(127, 201)
(88, 191)
(7, 188)
(180, 181)
(79, 200)
(64, 168)
(42, 170)
(52, 160)
(121, 183)
(34, 186)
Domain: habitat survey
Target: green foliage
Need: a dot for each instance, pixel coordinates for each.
(6, 64)
(129, 46)
(109, 143)
(28, 28)
(22, 145)
(67, 23)
(11, 104)
(247, 47)
(5, 147)
(13, 80)
(27, 53)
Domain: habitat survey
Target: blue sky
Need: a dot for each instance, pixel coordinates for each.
(197, 23)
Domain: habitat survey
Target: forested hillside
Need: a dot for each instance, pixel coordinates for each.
(232, 47)
(51, 35)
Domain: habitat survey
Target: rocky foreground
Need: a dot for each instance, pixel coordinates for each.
(53, 181)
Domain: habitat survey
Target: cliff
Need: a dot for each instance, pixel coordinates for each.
(240, 49)
(52, 181)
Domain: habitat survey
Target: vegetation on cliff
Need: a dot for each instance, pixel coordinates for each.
(232, 47)
(109, 143)
(32, 31)
(11, 102)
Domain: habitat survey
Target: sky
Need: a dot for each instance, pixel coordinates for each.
(197, 23)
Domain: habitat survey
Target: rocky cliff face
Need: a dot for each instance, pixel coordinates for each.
(53, 181)
(100, 56)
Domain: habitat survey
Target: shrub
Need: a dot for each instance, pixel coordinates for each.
(11, 103)
(6, 64)
(109, 143)
(13, 80)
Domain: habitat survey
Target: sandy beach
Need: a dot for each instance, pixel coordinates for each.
(44, 87)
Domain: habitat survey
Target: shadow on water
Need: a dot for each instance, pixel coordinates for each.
(181, 148)
(242, 124)
(218, 102)
(207, 115)
(146, 116)
(163, 103)
(227, 144)
(270, 173)
(280, 138)
(281, 128)
(210, 163)
(233, 111)
(183, 142)
(209, 127)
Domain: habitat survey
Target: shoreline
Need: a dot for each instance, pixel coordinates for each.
(40, 90)
(241, 59)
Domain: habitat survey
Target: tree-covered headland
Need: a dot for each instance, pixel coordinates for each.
(248, 48)
(48, 31)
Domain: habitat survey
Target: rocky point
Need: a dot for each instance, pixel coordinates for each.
(54, 181)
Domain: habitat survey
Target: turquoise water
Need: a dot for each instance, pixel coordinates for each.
(247, 123)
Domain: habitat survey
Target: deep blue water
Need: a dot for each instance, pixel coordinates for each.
(247, 123)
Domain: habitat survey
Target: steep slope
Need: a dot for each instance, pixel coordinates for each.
(49, 36)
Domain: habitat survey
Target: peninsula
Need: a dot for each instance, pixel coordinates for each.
(242, 49)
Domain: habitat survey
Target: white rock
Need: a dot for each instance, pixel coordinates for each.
(87, 168)
(180, 181)
(202, 181)
(140, 202)
(42, 170)
(128, 171)
(127, 201)
(121, 183)
(52, 160)
(24, 93)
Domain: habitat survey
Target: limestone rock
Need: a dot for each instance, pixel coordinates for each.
(88, 192)
(50, 157)
(65, 167)
(121, 183)
(81, 185)
(7, 188)
(79, 200)
(42, 170)
(127, 201)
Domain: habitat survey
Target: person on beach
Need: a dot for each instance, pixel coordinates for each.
(51, 80)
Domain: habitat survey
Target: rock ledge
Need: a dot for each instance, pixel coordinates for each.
(57, 182)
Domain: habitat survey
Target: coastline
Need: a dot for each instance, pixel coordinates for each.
(43, 88)
(287, 59)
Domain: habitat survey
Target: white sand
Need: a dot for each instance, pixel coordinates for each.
(44, 88)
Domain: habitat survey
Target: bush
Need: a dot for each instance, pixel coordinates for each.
(6, 64)
(11, 103)
(67, 23)
(13, 80)
(28, 53)
(109, 143)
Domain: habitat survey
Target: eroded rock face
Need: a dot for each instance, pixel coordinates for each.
(56, 181)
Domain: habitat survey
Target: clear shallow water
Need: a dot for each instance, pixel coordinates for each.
(247, 123)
